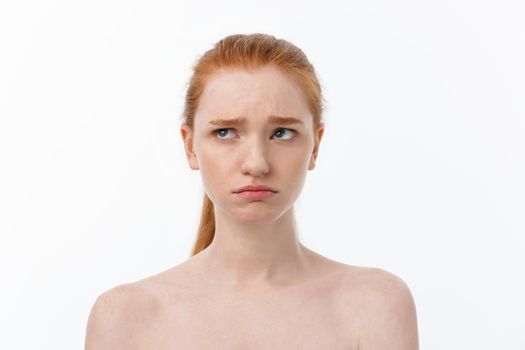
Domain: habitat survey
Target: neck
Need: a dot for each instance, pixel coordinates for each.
(255, 253)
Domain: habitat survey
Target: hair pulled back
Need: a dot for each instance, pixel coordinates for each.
(248, 51)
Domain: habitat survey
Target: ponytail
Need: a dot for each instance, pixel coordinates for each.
(206, 229)
(248, 51)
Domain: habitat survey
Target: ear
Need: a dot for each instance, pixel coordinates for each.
(318, 136)
(187, 137)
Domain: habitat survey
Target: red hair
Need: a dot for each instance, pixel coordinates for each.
(248, 51)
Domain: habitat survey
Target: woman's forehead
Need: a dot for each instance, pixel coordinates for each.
(244, 83)
(238, 92)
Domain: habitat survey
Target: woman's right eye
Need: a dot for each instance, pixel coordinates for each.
(216, 132)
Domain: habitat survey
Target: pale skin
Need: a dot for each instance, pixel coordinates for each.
(256, 286)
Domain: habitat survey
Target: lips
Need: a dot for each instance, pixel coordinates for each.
(255, 188)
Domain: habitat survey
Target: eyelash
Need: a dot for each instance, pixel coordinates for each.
(292, 130)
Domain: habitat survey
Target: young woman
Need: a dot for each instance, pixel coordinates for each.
(252, 127)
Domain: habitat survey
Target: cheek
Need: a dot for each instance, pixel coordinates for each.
(218, 163)
(292, 166)
(297, 157)
(215, 166)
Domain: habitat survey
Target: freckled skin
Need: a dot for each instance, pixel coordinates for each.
(255, 241)
(255, 286)
(245, 154)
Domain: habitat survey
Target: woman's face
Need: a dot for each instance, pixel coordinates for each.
(258, 149)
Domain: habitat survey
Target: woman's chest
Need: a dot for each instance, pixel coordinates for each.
(301, 321)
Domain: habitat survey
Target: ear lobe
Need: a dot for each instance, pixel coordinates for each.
(187, 138)
(313, 158)
(311, 165)
(315, 152)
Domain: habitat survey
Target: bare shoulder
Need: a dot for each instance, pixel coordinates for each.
(115, 315)
(375, 282)
(385, 308)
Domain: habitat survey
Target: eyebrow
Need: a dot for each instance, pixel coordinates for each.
(273, 119)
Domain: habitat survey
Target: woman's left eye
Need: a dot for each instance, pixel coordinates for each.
(292, 132)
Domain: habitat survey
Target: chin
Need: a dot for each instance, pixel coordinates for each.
(258, 213)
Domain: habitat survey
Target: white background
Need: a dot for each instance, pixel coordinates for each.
(421, 170)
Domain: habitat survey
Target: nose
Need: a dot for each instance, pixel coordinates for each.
(255, 162)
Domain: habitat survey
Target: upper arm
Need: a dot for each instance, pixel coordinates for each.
(390, 321)
(105, 328)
